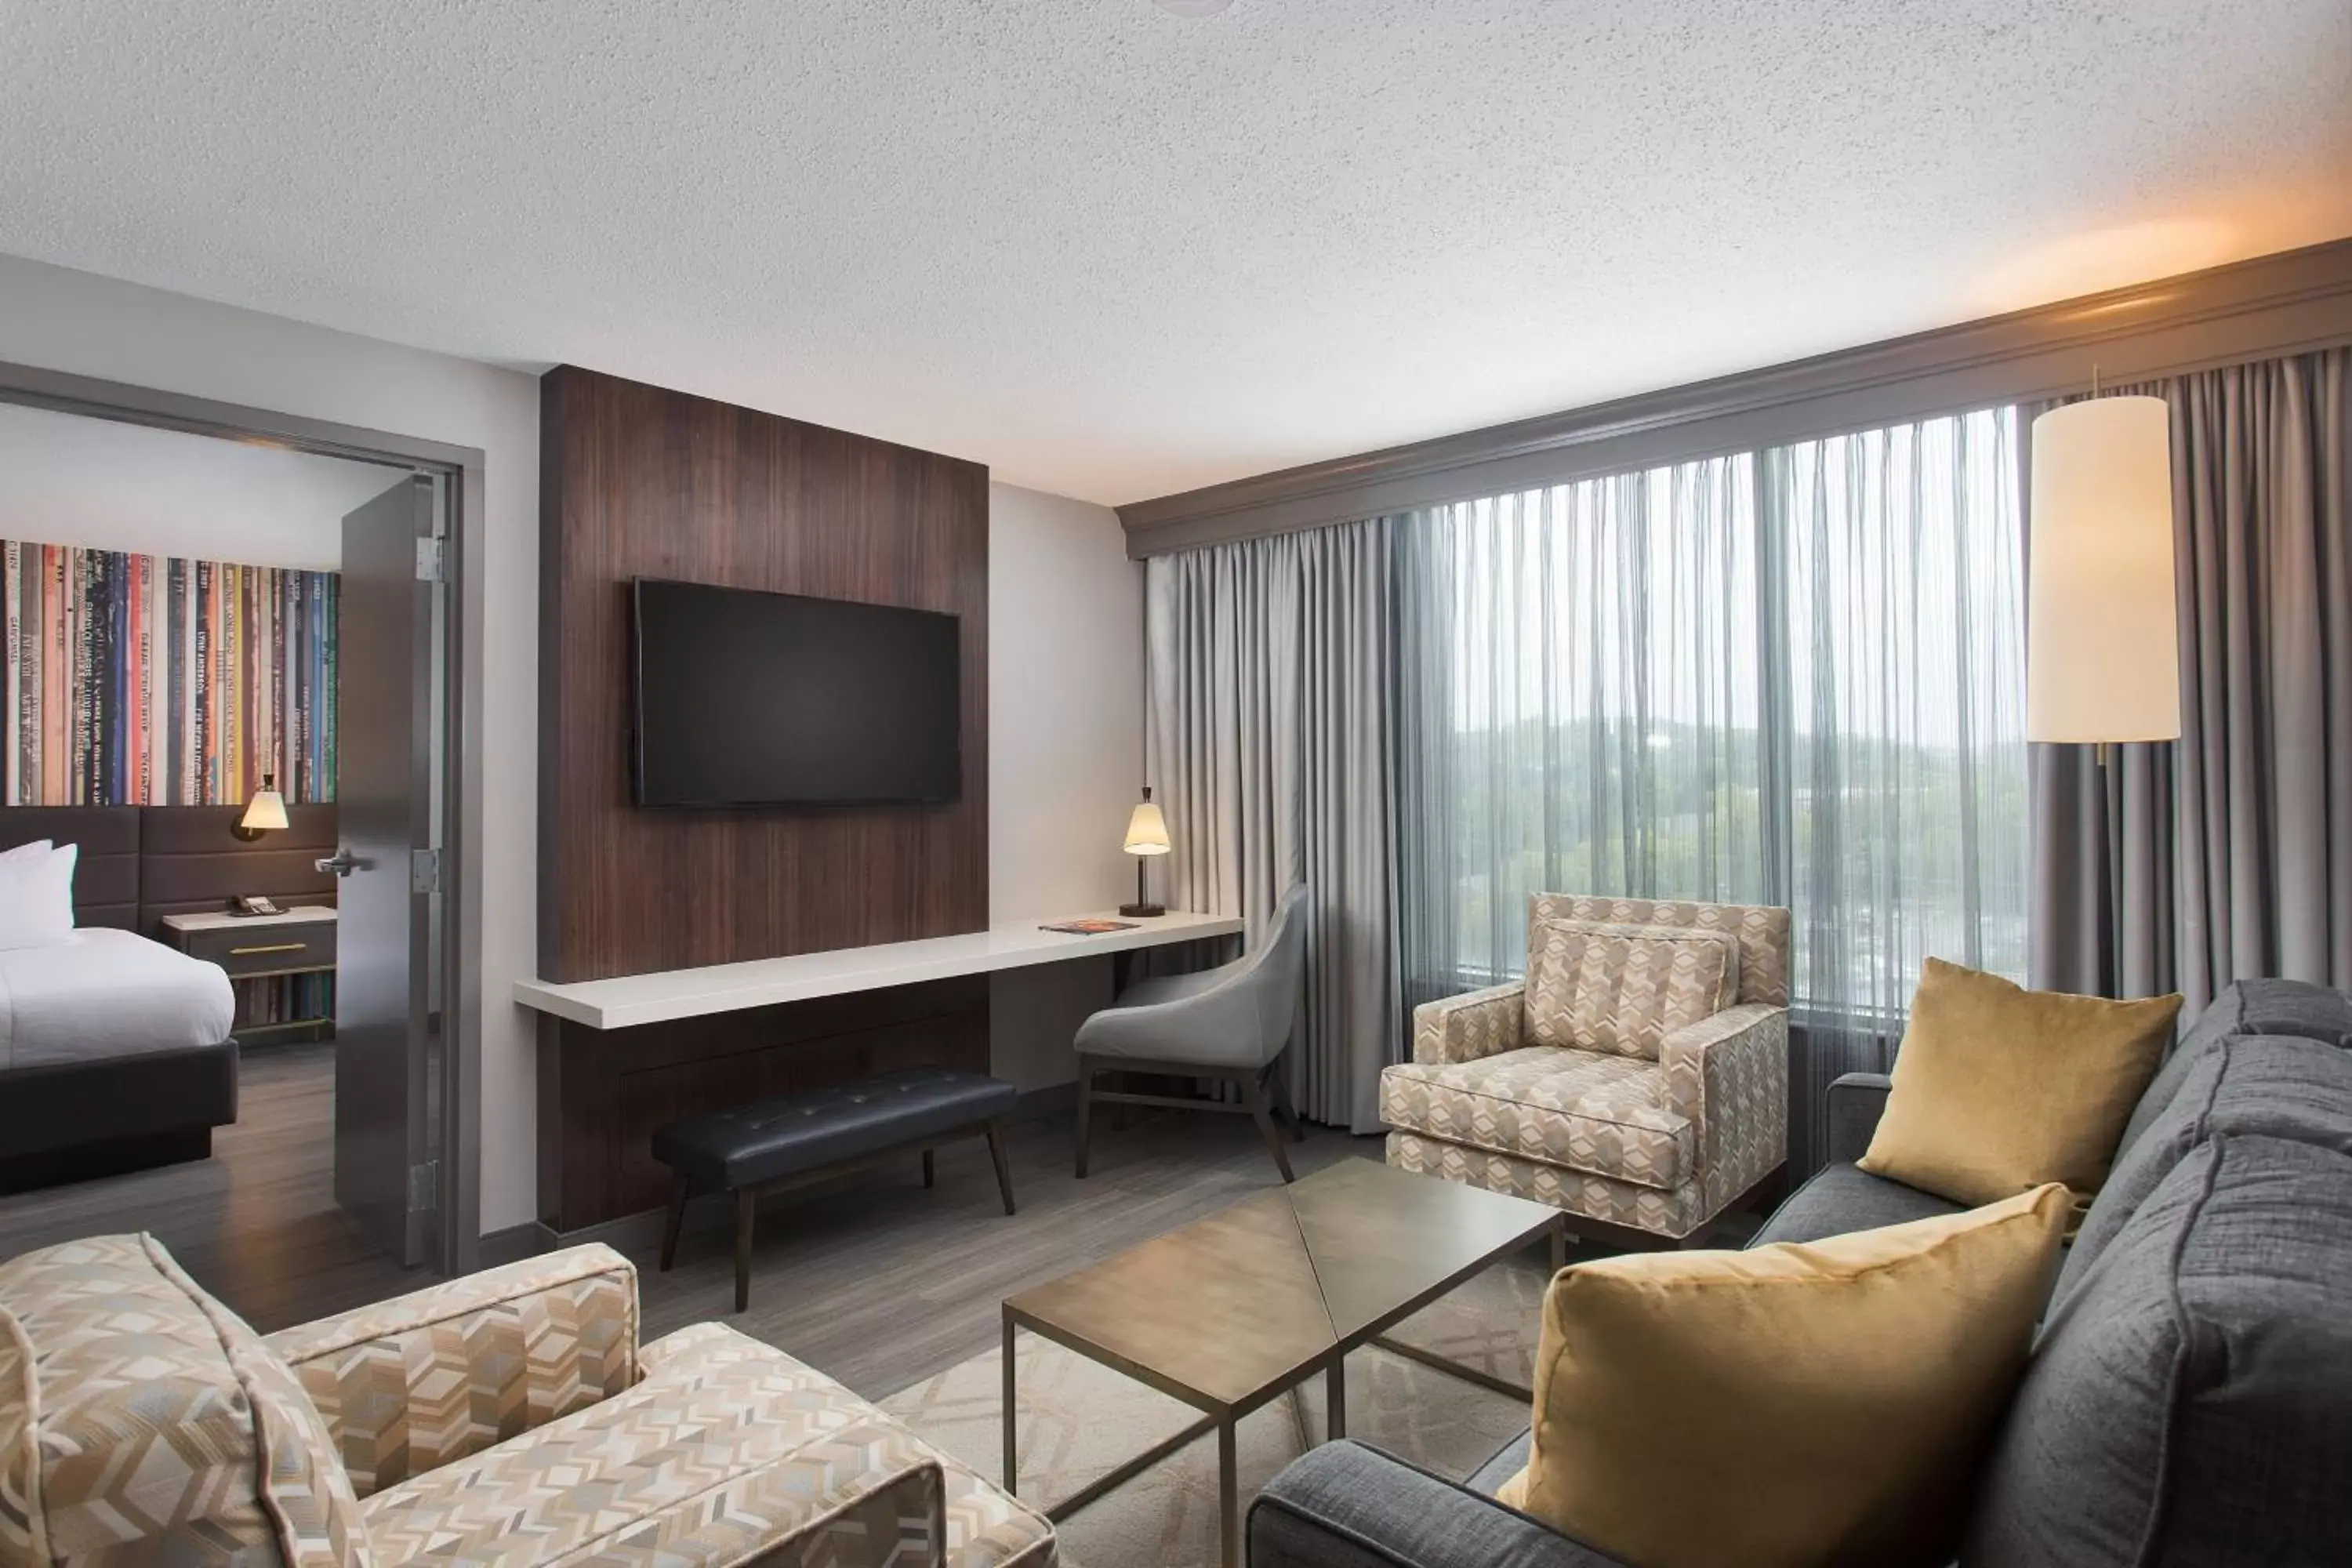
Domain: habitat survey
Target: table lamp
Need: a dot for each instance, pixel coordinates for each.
(265, 813)
(1147, 834)
(2102, 627)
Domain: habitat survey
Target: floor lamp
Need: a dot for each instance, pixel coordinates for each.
(2102, 625)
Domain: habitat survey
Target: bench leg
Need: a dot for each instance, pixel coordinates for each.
(677, 1221)
(1085, 1111)
(1003, 1168)
(929, 1176)
(747, 1205)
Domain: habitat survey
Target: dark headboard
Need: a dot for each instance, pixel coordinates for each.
(189, 861)
(106, 873)
(140, 863)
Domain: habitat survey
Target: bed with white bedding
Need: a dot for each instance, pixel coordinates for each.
(103, 993)
(115, 1051)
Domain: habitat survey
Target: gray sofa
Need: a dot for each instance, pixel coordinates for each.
(2190, 1396)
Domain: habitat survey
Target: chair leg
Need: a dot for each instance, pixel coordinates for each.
(1253, 1095)
(747, 1205)
(676, 1222)
(1280, 1083)
(1003, 1167)
(929, 1176)
(1085, 1111)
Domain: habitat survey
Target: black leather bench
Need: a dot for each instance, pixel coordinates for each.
(759, 1148)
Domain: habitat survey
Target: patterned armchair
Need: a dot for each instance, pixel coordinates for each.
(1638, 1076)
(504, 1419)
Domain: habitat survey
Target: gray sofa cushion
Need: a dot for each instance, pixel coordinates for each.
(1347, 1506)
(1855, 1101)
(2285, 1088)
(2191, 1401)
(1508, 1460)
(1842, 1198)
(2288, 1007)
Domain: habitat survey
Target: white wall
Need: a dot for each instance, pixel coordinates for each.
(1064, 754)
(1065, 663)
(72, 321)
(68, 478)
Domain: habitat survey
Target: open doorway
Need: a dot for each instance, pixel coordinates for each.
(233, 674)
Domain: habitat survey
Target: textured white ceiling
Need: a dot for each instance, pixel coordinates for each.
(1114, 253)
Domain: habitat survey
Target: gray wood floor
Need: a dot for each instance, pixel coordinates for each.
(257, 1223)
(882, 1284)
(871, 1279)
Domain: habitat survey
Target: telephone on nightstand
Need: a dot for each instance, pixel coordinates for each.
(256, 905)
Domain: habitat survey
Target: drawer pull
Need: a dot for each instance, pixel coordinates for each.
(273, 947)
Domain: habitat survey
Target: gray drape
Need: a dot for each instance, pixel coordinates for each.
(2228, 853)
(1267, 744)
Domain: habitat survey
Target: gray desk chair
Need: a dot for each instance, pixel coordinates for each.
(1231, 1024)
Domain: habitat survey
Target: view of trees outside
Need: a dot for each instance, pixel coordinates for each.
(1794, 676)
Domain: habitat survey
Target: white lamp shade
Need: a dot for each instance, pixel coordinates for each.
(265, 810)
(1147, 831)
(2103, 629)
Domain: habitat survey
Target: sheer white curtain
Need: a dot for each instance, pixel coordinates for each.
(1786, 677)
(1907, 803)
(1582, 708)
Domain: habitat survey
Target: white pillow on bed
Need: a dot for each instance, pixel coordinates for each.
(25, 851)
(36, 898)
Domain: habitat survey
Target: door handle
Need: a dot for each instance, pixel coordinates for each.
(342, 863)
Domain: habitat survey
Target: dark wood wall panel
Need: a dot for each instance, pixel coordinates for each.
(640, 482)
(602, 1092)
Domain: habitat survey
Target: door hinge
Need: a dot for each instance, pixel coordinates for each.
(425, 1187)
(431, 559)
(425, 870)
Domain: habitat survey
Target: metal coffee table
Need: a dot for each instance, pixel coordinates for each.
(1229, 1313)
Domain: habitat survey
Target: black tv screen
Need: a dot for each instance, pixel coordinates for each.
(752, 699)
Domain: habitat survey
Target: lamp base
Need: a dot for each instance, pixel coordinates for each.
(1141, 912)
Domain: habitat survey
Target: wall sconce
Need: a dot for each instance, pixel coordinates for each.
(265, 813)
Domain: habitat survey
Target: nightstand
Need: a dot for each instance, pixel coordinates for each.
(296, 942)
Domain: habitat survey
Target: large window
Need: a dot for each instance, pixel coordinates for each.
(1792, 676)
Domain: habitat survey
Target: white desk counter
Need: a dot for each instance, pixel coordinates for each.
(632, 999)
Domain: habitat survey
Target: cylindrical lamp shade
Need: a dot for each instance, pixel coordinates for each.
(1147, 831)
(2103, 629)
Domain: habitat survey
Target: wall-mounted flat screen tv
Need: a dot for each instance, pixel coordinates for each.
(747, 699)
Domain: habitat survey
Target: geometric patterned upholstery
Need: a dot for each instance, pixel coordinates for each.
(505, 1419)
(1582, 1110)
(725, 1436)
(141, 1421)
(1662, 1140)
(1760, 930)
(1623, 988)
(413, 1383)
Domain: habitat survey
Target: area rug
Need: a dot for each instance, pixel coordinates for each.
(1079, 1420)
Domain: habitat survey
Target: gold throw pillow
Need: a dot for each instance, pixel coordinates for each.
(1999, 1088)
(1815, 1403)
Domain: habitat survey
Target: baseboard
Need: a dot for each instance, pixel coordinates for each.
(1044, 1104)
(514, 1244)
